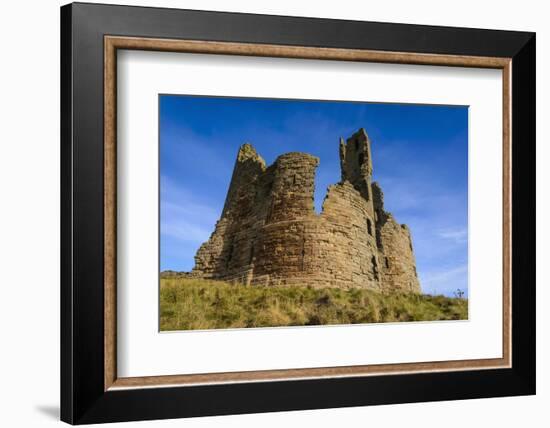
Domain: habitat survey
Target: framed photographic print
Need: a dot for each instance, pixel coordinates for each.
(266, 213)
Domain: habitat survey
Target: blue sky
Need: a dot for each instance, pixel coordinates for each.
(420, 159)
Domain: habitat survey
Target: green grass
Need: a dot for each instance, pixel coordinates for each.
(193, 304)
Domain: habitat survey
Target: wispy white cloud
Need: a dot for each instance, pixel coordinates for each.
(410, 190)
(459, 235)
(186, 144)
(444, 275)
(183, 215)
(176, 225)
(445, 280)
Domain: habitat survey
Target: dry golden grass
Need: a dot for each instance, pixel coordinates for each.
(196, 304)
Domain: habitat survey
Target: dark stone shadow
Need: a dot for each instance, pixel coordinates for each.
(50, 411)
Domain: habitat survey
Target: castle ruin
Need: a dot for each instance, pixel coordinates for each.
(269, 233)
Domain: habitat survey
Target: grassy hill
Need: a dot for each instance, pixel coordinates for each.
(191, 304)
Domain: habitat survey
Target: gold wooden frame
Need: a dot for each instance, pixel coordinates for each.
(113, 43)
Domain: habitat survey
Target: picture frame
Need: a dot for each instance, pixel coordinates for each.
(91, 390)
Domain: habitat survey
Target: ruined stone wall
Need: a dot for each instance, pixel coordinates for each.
(394, 241)
(270, 234)
(281, 240)
(245, 206)
(350, 258)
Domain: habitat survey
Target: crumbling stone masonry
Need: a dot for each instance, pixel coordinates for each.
(269, 233)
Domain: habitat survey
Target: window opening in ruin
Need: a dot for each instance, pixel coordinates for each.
(369, 226)
(294, 179)
(229, 255)
(361, 159)
(303, 252)
(356, 145)
(269, 188)
(270, 212)
(387, 263)
(251, 258)
(374, 267)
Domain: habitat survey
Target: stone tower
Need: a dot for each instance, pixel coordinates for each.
(356, 162)
(270, 234)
